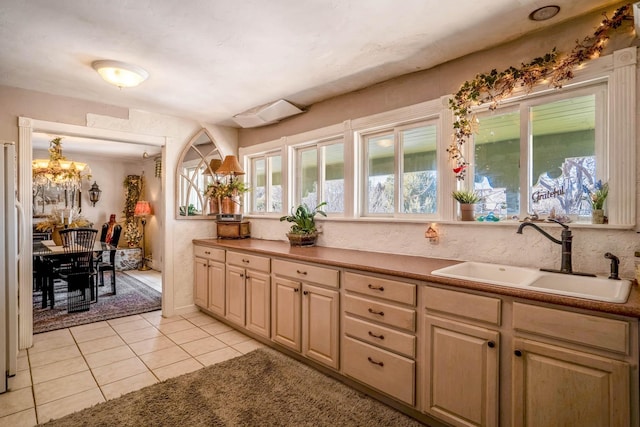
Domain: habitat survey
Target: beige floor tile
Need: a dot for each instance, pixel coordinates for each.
(218, 356)
(88, 327)
(23, 363)
(232, 337)
(53, 342)
(124, 319)
(187, 335)
(179, 325)
(68, 405)
(140, 335)
(23, 353)
(194, 313)
(164, 357)
(26, 418)
(202, 346)
(201, 319)
(59, 369)
(129, 384)
(155, 318)
(177, 369)
(15, 401)
(119, 370)
(109, 356)
(62, 387)
(94, 334)
(152, 344)
(56, 355)
(45, 336)
(216, 328)
(100, 344)
(20, 380)
(247, 346)
(134, 325)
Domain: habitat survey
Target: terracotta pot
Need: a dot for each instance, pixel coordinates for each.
(597, 216)
(302, 239)
(466, 211)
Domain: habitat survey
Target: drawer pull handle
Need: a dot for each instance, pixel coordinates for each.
(374, 362)
(518, 353)
(379, 313)
(491, 344)
(295, 289)
(304, 273)
(371, 334)
(246, 261)
(375, 288)
(207, 252)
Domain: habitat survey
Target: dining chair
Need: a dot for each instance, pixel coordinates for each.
(103, 265)
(79, 270)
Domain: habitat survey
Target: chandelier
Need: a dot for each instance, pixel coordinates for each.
(58, 171)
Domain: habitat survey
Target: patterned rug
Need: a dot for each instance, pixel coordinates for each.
(132, 297)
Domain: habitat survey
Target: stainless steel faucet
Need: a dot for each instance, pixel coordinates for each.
(565, 242)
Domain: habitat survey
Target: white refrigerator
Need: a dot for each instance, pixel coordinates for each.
(8, 265)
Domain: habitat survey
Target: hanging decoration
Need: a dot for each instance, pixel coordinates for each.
(57, 170)
(495, 86)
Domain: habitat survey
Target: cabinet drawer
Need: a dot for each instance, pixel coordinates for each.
(381, 312)
(209, 253)
(383, 288)
(308, 273)
(387, 372)
(380, 336)
(476, 307)
(593, 331)
(254, 262)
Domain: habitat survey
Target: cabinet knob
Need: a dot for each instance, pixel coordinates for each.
(375, 288)
(241, 275)
(375, 362)
(207, 252)
(380, 337)
(379, 313)
(246, 261)
(295, 289)
(518, 353)
(305, 292)
(304, 273)
(491, 344)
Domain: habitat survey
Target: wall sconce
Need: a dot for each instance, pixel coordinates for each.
(94, 193)
(431, 233)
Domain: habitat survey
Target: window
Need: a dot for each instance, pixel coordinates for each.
(266, 183)
(400, 170)
(556, 140)
(321, 175)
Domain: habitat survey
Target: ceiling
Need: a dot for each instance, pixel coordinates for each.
(209, 60)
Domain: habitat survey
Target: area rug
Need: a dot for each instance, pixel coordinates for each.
(132, 297)
(261, 388)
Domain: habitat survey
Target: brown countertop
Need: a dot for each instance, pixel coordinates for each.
(413, 267)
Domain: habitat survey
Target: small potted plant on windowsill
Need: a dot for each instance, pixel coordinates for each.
(303, 231)
(467, 200)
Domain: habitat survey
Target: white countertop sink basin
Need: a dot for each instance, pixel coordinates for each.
(594, 288)
(495, 274)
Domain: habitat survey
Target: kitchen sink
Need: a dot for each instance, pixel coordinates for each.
(594, 288)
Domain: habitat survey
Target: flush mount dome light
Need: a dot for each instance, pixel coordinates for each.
(545, 12)
(119, 73)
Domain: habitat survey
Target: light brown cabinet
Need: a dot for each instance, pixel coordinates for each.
(209, 284)
(306, 316)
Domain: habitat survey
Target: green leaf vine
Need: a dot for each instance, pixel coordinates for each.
(493, 87)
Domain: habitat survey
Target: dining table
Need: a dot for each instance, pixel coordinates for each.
(48, 257)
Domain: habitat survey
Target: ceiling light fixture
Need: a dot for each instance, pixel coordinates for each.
(545, 12)
(119, 73)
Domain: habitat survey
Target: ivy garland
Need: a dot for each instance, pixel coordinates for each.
(495, 86)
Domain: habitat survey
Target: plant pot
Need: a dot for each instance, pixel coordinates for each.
(213, 207)
(466, 211)
(230, 205)
(597, 216)
(302, 239)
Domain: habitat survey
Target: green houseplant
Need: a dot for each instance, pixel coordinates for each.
(467, 200)
(303, 231)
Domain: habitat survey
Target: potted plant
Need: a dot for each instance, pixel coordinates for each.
(597, 198)
(467, 200)
(303, 231)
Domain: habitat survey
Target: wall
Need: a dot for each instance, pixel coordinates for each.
(463, 241)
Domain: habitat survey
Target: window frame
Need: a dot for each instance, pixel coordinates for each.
(252, 176)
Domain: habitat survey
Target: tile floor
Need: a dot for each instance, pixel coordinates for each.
(71, 369)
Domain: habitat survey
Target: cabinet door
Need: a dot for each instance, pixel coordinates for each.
(200, 292)
(286, 311)
(235, 295)
(320, 317)
(258, 302)
(461, 373)
(563, 387)
(216, 287)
